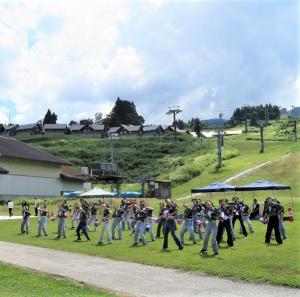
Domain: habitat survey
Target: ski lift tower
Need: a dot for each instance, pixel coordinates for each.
(174, 110)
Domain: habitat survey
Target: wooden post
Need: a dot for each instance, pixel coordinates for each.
(219, 149)
(262, 145)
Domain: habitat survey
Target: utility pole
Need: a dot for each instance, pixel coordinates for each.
(219, 148)
(112, 137)
(262, 144)
(174, 110)
(266, 114)
(221, 128)
(294, 121)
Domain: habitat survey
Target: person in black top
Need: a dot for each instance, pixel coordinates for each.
(188, 224)
(224, 222)
(254, 215)
(170, 225)
(62, 216)
(83, 224)
(93, 211)
(161, 219)
(42, 221)
(105, 225)
(273, 210)
(25, 221)
(118, 217)
(140, 217)
(237, 214)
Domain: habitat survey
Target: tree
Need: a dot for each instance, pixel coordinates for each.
(124, 112)
(72, 123)
(98, 118)
(181, 125)
(50, 118)
(86, 122)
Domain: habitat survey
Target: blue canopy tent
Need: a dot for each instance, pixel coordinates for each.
(216, 187)
(263, 185)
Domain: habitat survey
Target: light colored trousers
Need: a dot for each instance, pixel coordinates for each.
(92, 219)
(246, 219)
(75, 218)
(211, 231)
(187, 226)
(150, 223)
(105, 229)
(139, 229)
(25, 226)
(116, 222)
(282, 228)
(42, 225)
(61, 228)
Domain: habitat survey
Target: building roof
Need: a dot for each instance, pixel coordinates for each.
(13, 148)
(3, 171)
(8, 127)
(113, 129)
(26, 127)
(97, 127)
(76, 127)
(149, 128)
(132, 128)
(55, 126)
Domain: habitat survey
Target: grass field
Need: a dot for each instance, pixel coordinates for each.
(250, 259)
(16, 282)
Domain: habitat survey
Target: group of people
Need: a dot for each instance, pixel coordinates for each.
(202, 219)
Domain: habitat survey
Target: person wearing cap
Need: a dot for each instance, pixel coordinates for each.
(25, 220)
(42, 221)
(211, 214)
(170, 225)
(188, 224)
(237, 209)
(118, 216)
(62, 216)
(105, 225)
(93, 211)
(273, 210)
(83, 224)
(224, 223)
(140, 217)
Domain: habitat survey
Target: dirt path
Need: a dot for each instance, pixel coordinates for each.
(130, 278)
(237, 176)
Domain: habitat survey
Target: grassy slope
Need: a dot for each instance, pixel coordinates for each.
(15, 282)
(249, 259)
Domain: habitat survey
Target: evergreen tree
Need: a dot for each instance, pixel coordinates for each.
(124, 112)
(86, 122)
(50, 118)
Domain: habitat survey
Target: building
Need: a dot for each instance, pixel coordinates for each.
(28, 172)
(133, 130)
(58, 129)
(87, 130)
(153, 130)
(26, 129)
(116, 130)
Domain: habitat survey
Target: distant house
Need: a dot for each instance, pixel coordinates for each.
(98, 130)
(133, 130)
(7, 129)
(116, 130)
(55, 129)
(28, 172)
(87, 130)
(26, 129)
(153, 130)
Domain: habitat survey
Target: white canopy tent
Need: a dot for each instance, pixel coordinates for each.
(97, 192)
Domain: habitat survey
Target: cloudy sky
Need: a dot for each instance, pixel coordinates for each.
(77, 56)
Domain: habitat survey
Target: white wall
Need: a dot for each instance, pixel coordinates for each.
(19, 186)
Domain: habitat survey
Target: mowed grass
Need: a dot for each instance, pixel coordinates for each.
(16, 282)
(250, 259)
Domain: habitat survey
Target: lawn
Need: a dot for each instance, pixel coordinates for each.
(15, 282)
(250, 259)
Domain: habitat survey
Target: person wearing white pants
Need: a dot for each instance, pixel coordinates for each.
(105, 226)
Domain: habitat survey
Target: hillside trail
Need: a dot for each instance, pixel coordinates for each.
(232, 178)
(131, 279)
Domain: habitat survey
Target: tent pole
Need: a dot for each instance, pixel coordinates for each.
(291, 197)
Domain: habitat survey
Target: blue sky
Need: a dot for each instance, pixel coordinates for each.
(206, 56)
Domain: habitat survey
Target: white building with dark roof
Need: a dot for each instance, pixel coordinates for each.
(27, 172)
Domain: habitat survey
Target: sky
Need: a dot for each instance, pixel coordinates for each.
(77, 56)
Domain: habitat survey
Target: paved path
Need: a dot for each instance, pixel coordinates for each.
(130, 278)
(230, 179)
(10, 218)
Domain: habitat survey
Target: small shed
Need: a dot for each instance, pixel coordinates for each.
(160, 189)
